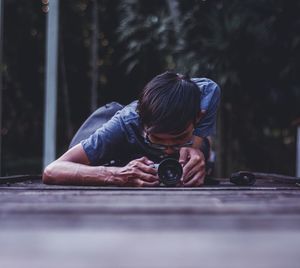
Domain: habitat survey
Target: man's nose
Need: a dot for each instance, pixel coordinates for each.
(169, 150)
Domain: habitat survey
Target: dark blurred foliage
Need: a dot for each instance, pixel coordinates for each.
(250, 48)
(23, 85)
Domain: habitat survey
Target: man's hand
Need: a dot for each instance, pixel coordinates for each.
(193, 163)
(138, 172)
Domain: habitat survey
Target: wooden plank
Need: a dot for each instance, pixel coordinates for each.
(224, 185)
(169, 208)
(98, 221)
(74, 226)
(156, 248)
(204, 207)
(158, 189)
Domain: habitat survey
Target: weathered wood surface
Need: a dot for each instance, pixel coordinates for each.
(220, 226)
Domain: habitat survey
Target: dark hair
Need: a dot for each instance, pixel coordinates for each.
(168, 103)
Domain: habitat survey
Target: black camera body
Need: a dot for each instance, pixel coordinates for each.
(169, 171)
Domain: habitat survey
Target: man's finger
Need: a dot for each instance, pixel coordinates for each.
(146, 168)
(150, 184)
(148, 178)
(194, 161)
(145, 160)
(197, 180)
(197, 168)
(141, 183)
(184, 156)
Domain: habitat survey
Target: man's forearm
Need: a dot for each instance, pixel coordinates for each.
(203, 144)
(69, 173)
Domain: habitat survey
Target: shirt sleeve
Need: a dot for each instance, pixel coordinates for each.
(210, 100)
(104, 144)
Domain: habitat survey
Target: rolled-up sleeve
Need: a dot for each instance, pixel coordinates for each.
(210, 100)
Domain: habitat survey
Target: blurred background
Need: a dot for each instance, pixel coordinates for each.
(109, 49)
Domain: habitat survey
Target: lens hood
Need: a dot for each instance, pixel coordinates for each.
(169, 171)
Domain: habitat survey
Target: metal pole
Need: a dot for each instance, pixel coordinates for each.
(1, 70)
(298, 153)
(51, 83)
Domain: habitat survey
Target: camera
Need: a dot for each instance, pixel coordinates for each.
(169, 171)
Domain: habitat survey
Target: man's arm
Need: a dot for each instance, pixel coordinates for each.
(203, 144)
(193, 159)
(73, 168)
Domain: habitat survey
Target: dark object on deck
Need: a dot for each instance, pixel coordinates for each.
(20, 178)
(245, 178)
(169, 171)
(277, 178)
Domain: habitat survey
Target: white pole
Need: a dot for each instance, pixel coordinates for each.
(1, 69)
(298, 153)
(51, 83)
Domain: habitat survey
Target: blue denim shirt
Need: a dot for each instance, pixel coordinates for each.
(121, 138)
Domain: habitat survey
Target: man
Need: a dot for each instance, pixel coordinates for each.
(173, 117)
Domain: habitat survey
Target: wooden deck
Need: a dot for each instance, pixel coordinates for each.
(221, 226)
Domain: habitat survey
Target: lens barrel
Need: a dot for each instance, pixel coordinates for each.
(169, 171)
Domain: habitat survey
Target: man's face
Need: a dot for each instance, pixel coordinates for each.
(171, 143)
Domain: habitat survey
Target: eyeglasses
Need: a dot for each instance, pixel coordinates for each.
(162, 147)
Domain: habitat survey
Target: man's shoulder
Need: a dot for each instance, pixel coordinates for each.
(210, 91)
(206, 85)
(129, 114)
(130, 119)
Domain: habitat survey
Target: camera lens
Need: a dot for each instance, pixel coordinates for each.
(169, 171)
